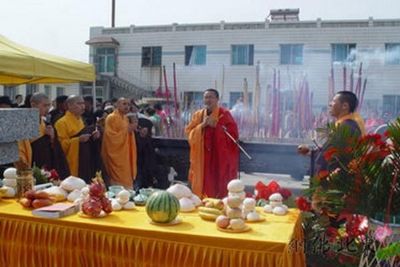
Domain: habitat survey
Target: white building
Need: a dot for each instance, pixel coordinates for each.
(221, 55)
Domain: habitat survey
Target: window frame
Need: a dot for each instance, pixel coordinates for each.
(235, 58)
(149, 53)
(291, 58)
(396, 49)
(348, 50)
(190, 57)
(102, 58)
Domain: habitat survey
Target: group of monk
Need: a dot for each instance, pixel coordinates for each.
(73, 148)
(67, 144)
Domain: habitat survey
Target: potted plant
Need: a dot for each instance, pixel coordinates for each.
(360, 184)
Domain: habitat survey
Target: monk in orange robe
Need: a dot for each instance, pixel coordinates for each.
(70, 133)
(214, 157)
(119, 146)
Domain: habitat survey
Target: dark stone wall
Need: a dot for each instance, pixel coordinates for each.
(266, 158)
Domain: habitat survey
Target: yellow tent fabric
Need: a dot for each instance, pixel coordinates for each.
(20, 64)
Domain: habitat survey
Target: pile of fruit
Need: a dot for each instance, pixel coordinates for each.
(122, 201)
(212, 209)
(35, 199)
(96, 204)
(233, 220)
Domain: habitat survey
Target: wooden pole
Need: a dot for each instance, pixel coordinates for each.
(175, 91)
(222, 82)
(166, 90)
(245, 94)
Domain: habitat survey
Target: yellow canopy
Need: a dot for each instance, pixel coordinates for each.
(20, 64)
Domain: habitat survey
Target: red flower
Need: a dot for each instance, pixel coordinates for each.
(264, 191)
(303, 204)
(386, 133)
(356, 226)
(332, 233)
(54, 175)
(322, 174)
(273, 186)
(328, 155)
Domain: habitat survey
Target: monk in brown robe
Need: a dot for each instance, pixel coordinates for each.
(119, 146)
(73, 136)
(46, 149)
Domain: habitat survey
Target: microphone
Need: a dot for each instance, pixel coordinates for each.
(47, 119)
(208, 112)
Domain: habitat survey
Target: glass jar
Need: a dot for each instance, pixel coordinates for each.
(24, 182)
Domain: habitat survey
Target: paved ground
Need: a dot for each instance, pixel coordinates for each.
(296, 186)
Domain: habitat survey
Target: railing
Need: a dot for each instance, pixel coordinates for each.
(130, 88)
(135, 80)
(254, 26)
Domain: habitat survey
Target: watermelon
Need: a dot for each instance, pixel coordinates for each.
(162, 207)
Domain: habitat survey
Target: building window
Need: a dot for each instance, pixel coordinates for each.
(10, 91)
(291, 54)
(391, 105)
(392, 54)
(193, 99)
(104, 59)
(343, 52)
(151, 56)
(60, 91)
(47, 90)
(31, 89)
(195, 55)
(242, 54)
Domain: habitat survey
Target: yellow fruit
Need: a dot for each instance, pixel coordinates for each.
(208, 216)
(210, 210)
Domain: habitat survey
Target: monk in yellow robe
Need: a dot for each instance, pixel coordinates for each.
(69, 129)
(25, 154)
(119, 146)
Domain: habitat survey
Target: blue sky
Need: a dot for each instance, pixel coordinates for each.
(61, 27)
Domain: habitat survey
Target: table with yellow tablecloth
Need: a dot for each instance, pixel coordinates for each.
(126, 238)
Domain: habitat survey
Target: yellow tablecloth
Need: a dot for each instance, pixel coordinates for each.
(126, 238)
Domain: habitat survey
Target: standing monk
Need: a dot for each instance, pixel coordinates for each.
(214, 156)
(119, 146)
(72, 134)
(46, 149)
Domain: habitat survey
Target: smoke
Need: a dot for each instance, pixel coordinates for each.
(371, 58)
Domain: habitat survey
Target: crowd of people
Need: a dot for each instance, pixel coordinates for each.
(77, 139)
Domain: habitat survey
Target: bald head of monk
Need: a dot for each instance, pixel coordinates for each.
(75, 105)
(123, 105)
(41, 102)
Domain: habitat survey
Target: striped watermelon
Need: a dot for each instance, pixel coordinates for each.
(162, 207)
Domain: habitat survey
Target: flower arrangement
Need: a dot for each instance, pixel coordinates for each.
(361, 181)
(262, 192)
(43, 176)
